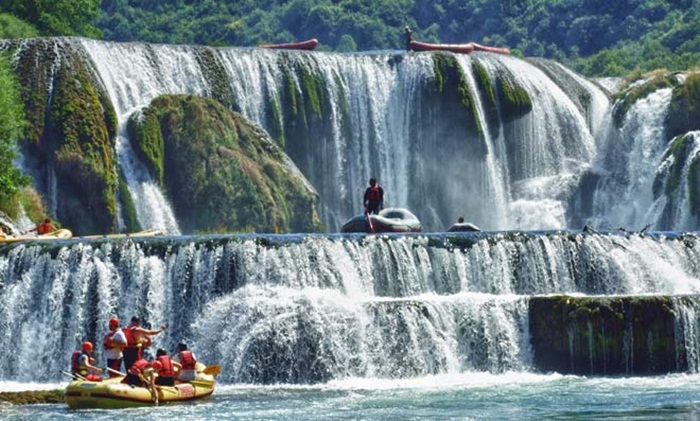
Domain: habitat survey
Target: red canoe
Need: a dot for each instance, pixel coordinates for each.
(456, 48)
(301, 45)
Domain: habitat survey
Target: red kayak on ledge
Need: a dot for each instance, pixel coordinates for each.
(456, 48)
(309, 44)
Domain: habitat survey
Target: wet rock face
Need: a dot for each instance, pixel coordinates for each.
(604, 336)
(221, 173)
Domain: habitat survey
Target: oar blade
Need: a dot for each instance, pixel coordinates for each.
(213, 370)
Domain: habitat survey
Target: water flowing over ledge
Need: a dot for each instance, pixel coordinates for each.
(311, 308)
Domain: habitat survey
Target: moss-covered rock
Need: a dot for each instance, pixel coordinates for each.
(634, 90)
(684, 110)
(603, 335)
(450, 84)
(514, 99)
(221, 173)
(488, 95)
(73, 128)
(677, 163)
(304, 97)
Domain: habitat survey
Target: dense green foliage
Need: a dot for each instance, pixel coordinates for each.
(57, 17)
(594, 36)
(12, 27)
(11, 128)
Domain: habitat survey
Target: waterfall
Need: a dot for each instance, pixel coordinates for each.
(376, 124)
(309, 309)
(628, 165)
(133, 75)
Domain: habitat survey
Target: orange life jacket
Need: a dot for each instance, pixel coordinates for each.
(187, 360)
(168, 369)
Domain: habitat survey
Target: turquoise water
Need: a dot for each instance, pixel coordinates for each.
(514, 396)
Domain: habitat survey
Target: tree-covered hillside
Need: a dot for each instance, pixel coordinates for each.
(597, 37)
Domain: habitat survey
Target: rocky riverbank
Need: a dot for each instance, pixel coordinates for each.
(30, 397)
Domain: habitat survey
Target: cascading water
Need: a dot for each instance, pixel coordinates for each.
(624, 197)
(377, 124)
(312, 309)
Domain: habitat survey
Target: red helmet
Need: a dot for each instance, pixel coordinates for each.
(113, 322)
(157, 366)
(87, 346)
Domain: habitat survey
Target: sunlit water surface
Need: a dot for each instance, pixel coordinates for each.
(513, 396)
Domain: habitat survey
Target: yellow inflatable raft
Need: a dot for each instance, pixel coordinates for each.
(145, 233)
(112, 393)
(61, 234)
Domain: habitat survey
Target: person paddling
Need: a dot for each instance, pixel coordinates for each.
(165, 368)
(82, 364)
(187, 361)
(135, 338)
(140, 373)
(44, 227)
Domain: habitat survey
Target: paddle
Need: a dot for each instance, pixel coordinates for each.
(151, 387)
(214, 370)
(369, 221)
(73, 376)
(111, 370)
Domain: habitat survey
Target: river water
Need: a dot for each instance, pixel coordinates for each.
(477, 396)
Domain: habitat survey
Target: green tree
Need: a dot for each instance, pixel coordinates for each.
(57, 17)
(12, 124)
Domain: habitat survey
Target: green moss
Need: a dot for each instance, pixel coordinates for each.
(83, 147)
(32, 397)
(451, 83)
(223, 174)
(217, 79)
(684, 110)
(488, 93)
(146, 139)
(694, 185)
(514, 99)
(128, 208)
(603, 335)
(71, 133)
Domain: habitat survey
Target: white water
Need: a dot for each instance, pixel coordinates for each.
(321, 308)
(629, 164)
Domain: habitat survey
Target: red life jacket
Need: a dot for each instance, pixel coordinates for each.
(187, 360)
(139, 366)
(130, 337)
(108, 338)
(75, 363)
(44, 228)
(168, 370)
(374, 194)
